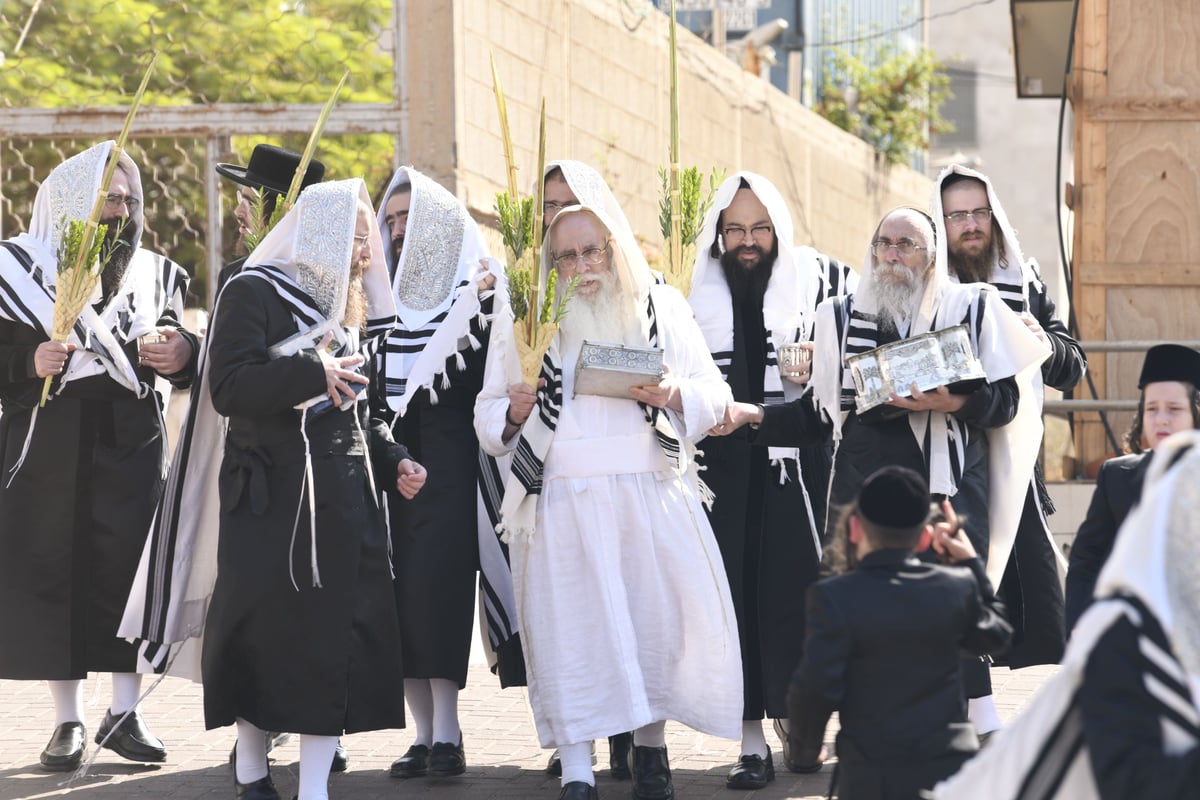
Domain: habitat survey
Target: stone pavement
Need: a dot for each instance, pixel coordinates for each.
(504, 760)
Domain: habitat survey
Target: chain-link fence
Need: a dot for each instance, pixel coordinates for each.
(229, 76)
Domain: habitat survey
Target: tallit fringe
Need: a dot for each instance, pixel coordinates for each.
(475, 343)
(306, 483)
(12, 473)
(460, 363)
(781, 465)
(446, 380)
(706, 494)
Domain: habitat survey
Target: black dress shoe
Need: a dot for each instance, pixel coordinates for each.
(751, 772)
(261, 789)
(618, 755)
(579, 790)
(413, 764)
(447, 760)
(554, 765)
(652, 774)
(341, 759)
(131, 739)
(65, 749)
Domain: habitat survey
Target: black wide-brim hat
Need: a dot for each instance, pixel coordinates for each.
(272, 168)
(1170, 362)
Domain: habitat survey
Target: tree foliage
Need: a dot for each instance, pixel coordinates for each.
(891, 100)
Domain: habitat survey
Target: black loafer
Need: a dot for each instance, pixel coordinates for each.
(618, 755)
(64, 751)
(341, 759)
(447, 760)
(131, 739)
(554, 766)
(751, 772)
(652, 774)
(261, 789)
(579, 790)
(413, 764)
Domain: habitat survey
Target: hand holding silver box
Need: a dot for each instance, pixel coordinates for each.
(610, 370)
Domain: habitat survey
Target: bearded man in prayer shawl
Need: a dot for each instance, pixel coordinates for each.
(1120, 720)
(753, 290)
(976, 441)
(301, 633)
(81, 476)
(573, 183)
(625, 611)
(431, 368)
(977, 243)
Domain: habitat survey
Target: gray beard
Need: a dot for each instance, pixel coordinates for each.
(896, 302)
(603, 318)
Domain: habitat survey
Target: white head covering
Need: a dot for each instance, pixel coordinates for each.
(632, 271)
(935, 281)
(314, 245)
(442, 249)
(68, 194)
(590, 189)
(1017, 271)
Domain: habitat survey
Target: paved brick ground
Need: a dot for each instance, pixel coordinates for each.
(505, 762)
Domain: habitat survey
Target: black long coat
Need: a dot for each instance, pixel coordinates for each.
(74, 518)
(1118, 489)
(296, 657)
(883, 650)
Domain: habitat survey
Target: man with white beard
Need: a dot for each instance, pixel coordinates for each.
(615, 568)
(974, 441)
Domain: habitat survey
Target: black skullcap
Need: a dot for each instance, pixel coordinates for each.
(1170, 362)
(894, 497)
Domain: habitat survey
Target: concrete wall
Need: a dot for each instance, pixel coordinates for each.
(604, 74)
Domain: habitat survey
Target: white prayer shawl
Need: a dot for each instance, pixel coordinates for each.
(1012, 280)
(800, 280)
(590, 189)
(171, 592)
(1005, 348)
(1043, 754)
(436, 289)
(29, 274)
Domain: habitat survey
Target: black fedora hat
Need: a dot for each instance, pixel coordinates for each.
(272, 168)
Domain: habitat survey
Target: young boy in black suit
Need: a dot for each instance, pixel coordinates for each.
(884, 645)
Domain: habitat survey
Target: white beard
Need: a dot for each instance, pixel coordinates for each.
(896, 301)
(605, 317)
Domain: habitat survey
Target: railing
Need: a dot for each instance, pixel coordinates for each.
(1127, 346)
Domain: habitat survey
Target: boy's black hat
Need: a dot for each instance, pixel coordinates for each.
(1170, 362)
(894, 497)
(272, 168)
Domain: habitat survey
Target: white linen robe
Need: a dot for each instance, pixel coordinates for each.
(623, 601)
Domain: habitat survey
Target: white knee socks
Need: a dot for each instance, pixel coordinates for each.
(127, 687)
(982, 713)
(652, 735)
(576, 762)
(251, 760)
(419, 696)
(316, 756)
(445, 710)
(754, 741)
(68, 701)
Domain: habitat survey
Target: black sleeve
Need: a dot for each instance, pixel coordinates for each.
(992, 405)
(819, 682)
(1067, 363)
(794, 424)
(1093, 543)
(245, 382)
(1123, 723)
(184, 377)
(386, 453)
(989, 632)
(16, 355)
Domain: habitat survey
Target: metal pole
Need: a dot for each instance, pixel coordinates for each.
(212, 201)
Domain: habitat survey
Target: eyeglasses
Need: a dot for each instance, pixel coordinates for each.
(980, 215)
(905, 247)
(552, 206)
(115, 201)
(361, 241)
(592, 256)
(738, 233)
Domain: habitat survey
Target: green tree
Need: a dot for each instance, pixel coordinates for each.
(892, 101)
(91, 53)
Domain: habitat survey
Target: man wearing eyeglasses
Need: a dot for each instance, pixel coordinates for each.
(625, 611)
(979, 244)
(82, 473)
(754, 292)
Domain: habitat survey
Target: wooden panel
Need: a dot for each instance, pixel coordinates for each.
(1124, 274)
(1141, 109)
(1152, 44)
(1153, 191)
